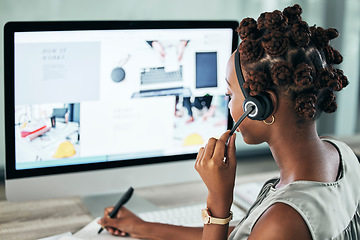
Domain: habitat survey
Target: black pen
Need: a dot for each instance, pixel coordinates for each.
(119, 204)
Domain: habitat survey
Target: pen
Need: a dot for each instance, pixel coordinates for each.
(119, 204)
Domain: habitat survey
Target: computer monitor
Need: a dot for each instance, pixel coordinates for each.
(94, 107)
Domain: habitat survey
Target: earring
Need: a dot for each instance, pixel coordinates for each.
(272, 121)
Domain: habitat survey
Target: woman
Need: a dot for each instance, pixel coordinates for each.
(317, 195)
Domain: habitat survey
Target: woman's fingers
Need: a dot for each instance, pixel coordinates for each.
(231, 148)
(199, 158)
(107, 211)
(110, 222)
(216, 152)
(219, 152)
(231, 151)
(200, 154)
(209, 149)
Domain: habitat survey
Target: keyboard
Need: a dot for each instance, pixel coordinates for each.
(189, 216)
(159, 75)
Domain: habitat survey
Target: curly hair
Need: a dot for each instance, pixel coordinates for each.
(281, 52)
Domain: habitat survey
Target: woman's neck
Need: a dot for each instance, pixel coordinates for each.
(301, 155)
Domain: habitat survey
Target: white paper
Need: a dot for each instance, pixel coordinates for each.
(90, 232)
(57, 237)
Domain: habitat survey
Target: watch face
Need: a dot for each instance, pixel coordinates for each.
(205, 216)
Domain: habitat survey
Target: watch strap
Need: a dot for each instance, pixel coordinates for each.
(213, 220)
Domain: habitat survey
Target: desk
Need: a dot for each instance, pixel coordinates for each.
(37, 219)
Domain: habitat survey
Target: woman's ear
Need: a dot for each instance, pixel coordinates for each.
(274, 100)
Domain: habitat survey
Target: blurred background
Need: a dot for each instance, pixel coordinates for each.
(340, 14)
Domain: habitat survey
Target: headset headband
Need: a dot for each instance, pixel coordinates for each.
(239, 74)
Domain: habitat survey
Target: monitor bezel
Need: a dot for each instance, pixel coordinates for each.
(11, 28)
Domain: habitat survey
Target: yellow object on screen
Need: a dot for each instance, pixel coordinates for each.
(65, 149)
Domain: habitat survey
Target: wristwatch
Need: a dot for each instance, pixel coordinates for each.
(208, 219)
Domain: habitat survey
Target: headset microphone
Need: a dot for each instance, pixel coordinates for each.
(249, 109)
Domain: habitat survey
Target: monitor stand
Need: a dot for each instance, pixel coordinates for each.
(96, 204)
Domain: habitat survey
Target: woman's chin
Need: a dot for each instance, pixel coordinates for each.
(251, 141)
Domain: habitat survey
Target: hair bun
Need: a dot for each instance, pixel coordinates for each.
(282, 73)
(293, 13)
(255, 82)
(328, 103)
(301, 33)
(332, 33)
(305, 105)
(250, 50)
(328, 78)
(338, 58)
(261, 22)
(247, 28)
(321, 37)
(332, 55)
(341, 77)
(275, 21)
(303, 76)
(275, 43)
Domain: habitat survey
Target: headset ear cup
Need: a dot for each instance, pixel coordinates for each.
(263, 106)
(268, 105)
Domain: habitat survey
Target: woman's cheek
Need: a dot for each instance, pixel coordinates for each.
(235, 113)
(230, 106)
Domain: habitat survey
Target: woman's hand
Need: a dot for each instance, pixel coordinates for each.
(125, 223)
(216, 164)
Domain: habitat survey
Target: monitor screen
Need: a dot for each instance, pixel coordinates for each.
(83, 96)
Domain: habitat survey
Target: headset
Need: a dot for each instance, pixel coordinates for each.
(262, 103)
(257, 107)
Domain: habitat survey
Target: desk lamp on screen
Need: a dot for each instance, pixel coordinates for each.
(144, 130)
